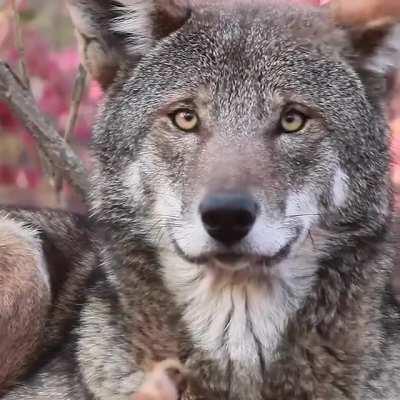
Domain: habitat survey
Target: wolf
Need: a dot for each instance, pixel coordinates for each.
(241, 209)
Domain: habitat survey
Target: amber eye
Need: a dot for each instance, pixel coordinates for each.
(186, 120)
(292, 121)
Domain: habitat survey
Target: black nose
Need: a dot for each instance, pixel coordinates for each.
(228, 217)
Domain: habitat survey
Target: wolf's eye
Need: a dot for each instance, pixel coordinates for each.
(293, 121)
(186, 120)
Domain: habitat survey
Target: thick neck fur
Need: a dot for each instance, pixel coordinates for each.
(266, 335)
(309, 314)
(336, 331)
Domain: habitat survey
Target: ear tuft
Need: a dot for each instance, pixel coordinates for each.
(374, 30)
(114, 33)
(100, 50)
(142, 22)
(386, 56)
(132, 20)
(377, 46)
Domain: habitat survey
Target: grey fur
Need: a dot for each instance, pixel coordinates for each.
(338, 335)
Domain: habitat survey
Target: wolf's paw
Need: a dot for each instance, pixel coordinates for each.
(165, 381)
(24, 296)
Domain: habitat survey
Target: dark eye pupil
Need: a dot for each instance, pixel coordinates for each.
(188, 116)
(291, 117)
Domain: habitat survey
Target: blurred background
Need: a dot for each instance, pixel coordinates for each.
(52, 61)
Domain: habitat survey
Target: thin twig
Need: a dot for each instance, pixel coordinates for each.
(77, 94)
(53, 146)
(20, 46)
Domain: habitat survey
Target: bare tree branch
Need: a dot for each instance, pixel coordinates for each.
(51, 171)
(60, 154)
(46, 164)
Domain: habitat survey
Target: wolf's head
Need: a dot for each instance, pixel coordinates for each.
(232, 131)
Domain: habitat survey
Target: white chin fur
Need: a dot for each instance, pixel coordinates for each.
(230, 313)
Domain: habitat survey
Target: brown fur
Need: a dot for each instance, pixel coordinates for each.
(28, 307)
(24, 302)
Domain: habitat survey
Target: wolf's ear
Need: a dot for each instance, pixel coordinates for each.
(373, 27)
(113, 34)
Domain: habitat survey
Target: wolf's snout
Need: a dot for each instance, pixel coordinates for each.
(228, 217)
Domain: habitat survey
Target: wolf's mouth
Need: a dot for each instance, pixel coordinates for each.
(237, 260)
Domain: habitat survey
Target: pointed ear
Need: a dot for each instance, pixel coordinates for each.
(113, 34)
(373, 27)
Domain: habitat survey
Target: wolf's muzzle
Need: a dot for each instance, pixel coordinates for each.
(228, 216)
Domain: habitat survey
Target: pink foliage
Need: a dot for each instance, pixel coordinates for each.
(51, 74)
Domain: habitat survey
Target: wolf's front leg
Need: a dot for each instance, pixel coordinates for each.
(24, 298)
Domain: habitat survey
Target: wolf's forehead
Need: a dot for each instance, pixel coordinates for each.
(250, 52)
(283, 7)
(258, 31)
(241, 58)
(284, 18)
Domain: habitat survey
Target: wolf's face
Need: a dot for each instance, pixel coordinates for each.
(240, 133)
(239, 153)
(240, 130)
